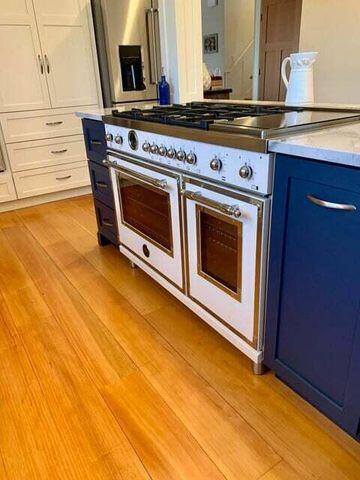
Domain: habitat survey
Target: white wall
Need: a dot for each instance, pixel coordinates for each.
(213, 22)
(332, 27)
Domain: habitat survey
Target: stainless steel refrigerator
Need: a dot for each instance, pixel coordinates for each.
(128, 46)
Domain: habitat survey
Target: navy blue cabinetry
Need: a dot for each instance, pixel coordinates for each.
(94, 134)
(312, 338)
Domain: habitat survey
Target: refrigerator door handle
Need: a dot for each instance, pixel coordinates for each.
(151, 40)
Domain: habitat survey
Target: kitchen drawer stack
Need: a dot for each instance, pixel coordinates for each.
(46, 153)
(48, 72)
(94, 134)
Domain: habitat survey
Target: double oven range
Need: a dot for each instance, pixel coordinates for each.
(192, 186)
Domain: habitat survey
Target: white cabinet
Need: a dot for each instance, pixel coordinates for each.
(22, 76)
(7, 189)
(66, 46)
(46, 56)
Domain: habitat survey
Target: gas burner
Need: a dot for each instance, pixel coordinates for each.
(199, 114)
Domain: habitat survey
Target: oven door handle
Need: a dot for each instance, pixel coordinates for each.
(231, 210)
(155, 182)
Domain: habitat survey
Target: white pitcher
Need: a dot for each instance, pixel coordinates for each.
(300, 86)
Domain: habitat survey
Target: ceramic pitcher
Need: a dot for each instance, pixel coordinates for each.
(300, 85)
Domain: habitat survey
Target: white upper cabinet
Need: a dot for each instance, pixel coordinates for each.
(65, 40)
(22, 75)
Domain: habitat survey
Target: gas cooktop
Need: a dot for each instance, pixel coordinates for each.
(200, 114)
(240, 125)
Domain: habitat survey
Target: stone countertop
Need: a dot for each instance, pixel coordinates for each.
(339, 145)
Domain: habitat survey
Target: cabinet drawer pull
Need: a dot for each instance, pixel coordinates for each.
(64, 150)
(334, 206)
(63, 178)
(41, 65)
(101, 184)
(96, 142)
(107, 222)
(52, 124)
(47, 63)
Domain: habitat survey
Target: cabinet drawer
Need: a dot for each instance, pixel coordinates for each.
(51, 179)
(25, 127)
(106, 221)
(101, 184)
(46, 153)
(7, 189)
(94, 135)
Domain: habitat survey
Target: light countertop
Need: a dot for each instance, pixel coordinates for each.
(336, 145)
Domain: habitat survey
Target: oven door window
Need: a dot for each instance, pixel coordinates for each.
(146, 210)
(220, 250)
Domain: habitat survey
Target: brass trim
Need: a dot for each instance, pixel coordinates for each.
(139, 232)
(181, 289)
(258, 256)
(236, 295)
(141, 163)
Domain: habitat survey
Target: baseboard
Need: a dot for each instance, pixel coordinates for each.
(39, 199)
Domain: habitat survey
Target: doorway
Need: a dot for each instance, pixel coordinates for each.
(279, 36)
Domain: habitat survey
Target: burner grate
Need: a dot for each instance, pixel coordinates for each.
(198, 114)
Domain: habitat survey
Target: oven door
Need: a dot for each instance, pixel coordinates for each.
(148, 211)
(225, 244)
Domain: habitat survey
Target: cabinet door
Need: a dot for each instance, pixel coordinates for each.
(65, 40)
(313, 317)
(22, 76)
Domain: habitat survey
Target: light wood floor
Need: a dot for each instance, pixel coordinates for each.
(103, 375)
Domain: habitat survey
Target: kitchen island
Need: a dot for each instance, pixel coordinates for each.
(312, 316)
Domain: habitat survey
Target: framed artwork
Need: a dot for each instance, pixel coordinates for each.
(211, 43)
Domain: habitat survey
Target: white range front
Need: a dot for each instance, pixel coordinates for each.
(194, 216)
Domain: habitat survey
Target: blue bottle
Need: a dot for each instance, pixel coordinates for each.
(164, 90)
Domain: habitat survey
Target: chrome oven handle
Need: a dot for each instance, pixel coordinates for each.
(155, 182)
(334, 206)
(231, 210)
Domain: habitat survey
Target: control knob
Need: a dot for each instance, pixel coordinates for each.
(109, 137)
(146, 146)
(162, 151)
(118, 139)
(216, 164)
(181, 156)
(154, 148)
(191, 158)
(171, 153)
(245, 172)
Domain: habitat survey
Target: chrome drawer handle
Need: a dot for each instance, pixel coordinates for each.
(101, 184)
(231, 210)
(107, 223)
(52, 124)
(63, 178)
(64, 150)
(334, 206)
(96, 142)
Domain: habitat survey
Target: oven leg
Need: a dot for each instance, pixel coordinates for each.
(133, 265)
(259, 368)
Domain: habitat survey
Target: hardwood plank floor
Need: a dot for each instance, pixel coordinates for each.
(103, 375)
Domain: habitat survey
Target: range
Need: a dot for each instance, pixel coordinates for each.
(193, 188)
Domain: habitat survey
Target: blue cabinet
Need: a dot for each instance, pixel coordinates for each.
(94, 135)
(312, 338)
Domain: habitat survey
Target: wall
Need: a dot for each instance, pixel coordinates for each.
(331, 27)
(239, 46)
(213, 22)
(180, 33)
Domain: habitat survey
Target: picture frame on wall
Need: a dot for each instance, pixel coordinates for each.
(211, 43)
